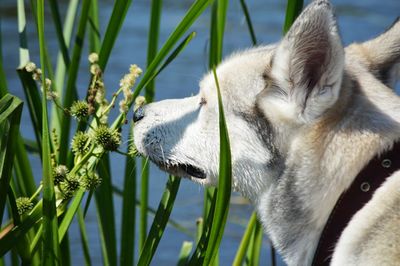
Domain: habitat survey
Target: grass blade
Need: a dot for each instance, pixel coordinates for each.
(69, 215)
(175, 53)
(23, 171)
(194, 11)
(256, 247)
(191, 15)
(202, 243)
(94, 33)
(63, 59)
(10, 115)
(160, 221)
(185, 252)
(11, 235)
(154, 30)
(293, 9)
(248, 21)
(70, 92)
(152, 41)
(117, 18)
(144, 202)
(244, 243)
(50, 251)
(224, 185)
(34, 103)
(3, 80)
(218, 17)
(25, 182)
(23, 43)
(152, 212)
(84, 239)
(128, 208)
(55, 13)
(105, 212)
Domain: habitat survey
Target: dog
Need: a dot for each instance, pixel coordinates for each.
(304, 117)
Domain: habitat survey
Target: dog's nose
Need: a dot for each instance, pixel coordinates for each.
(138, 114)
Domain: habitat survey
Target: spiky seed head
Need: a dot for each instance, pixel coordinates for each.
(80, 110)
(106, 137)
(80, 143)
(91, 181)
(60, 173)
(69, 186)
(24, 205)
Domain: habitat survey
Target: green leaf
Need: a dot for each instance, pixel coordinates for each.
(34, 103)
(106, 214)
(11, 235)
(152, 43)
(152, 212)
(244, 243)
(293, 9)
(144, 202)
(128, 208)
(185, 252)
(23, 42)
(248, 21)
(94, 31)
(84, 238)
(224, 185)
(3, 78)
(113, 27)
(191, 15)
(69, 215)
(23, 171)
(160, 221)
(51, 249)
(63, 59)
(10, 115)
(218, 17)
(70, 92)
(256, 248)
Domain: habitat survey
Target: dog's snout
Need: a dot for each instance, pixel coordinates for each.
(138, 114)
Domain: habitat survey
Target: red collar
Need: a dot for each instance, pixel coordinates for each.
(353, 199)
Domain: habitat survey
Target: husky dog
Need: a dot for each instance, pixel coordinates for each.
(304, 117)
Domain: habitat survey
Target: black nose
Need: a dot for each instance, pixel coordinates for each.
(138, 114)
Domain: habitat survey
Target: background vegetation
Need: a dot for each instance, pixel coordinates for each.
(36, 217)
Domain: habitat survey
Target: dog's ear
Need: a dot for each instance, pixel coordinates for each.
(307, 67)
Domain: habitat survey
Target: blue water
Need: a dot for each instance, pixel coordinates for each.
(358, 21)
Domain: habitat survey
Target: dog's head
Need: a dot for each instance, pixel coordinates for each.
(269, 93)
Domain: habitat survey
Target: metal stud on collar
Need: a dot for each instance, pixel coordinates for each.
(386, 163)
(365, 187)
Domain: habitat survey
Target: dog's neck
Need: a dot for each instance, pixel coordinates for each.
(319, 166)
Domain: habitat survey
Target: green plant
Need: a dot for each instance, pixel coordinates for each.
(76, 169)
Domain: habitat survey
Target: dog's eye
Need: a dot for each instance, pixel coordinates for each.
(202, 101)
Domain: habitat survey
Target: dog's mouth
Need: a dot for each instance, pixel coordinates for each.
(184, 170)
